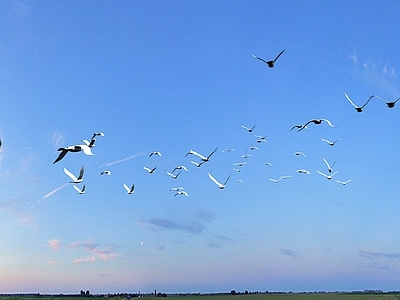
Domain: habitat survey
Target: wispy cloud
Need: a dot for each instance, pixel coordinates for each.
(93, 248)
(54, 244)
(160, 224)
(288, 252)
(84, 260)
(123, 159)
(389, 261)
(50, 194)
(58, 139)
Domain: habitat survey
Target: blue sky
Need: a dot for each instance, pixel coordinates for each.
(171, 76)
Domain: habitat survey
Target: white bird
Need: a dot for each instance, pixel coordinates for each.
(129, 190)
(150, 170)
(220, 185)
(77, 148)
(176, 189)
(181, 193)
(196, 163)
(270, 63)
(317, 122)
(299, 153)
(267, 163)
(155, 153)
(228, 150)
(329, 166)
(285, 177)
(174, 176)
(202, 157)
(245, 156)
(80, 191)
(237, 170)
(249, 129)
(75, 179)
(343, 182)
(274, 180)
(239, 180)
(97, 134)
(303, 171)
(329, 177)
(240, 164)
(105, 172)
(329, 142)
(253, 148)
(358, 109)
(390, 104)
(179, 168)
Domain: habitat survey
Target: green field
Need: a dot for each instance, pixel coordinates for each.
(260, 296)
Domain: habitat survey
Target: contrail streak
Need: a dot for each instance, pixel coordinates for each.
(50, 194)
(123, 159)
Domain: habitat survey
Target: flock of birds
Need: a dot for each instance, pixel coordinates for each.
(87, 145)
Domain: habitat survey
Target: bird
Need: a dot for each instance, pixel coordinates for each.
(129, 190)
(285, 177)
(245, 155)
(220, 185)
(196, 163)
(176, 189)
(316, 121)
(181, 193)
(267, 163)
(275, 180)
(75, 179)
(80, 191)
(97, 134)
(329, 177)
(1, 143)
(261, 138)
(179, 168)
(329, 142)
(358, 109)
(343, 182)
(303, 171)
(202, 157)
(150, 170)
(240, 164)
(270, 63)
(298, 153)
(155, 153)
(239, 181)
(237, 170)
(228, 150)
(390, 104)
(253, 148)
(249, 129)
(105, 172)
(174, 176)
(329, 167)
(76, 148)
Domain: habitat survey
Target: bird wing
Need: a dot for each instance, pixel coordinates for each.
(329, 167)
(208, 157)
(329, 122)
(227, 179)
(77, 189)
(279, 55)
(323, 173)
(87, 150)
(126, 187)
(61, 155)
(215, 181)
(72, 176)
(329, 142)
(260, 58)
(352, 101)
(81, 173)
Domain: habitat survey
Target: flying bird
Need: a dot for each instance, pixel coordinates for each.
(343, 182)
(181, 193)
(240, 164)
(155, 153)
(150, 170)
(261, 138)
(75, 179)
(196, 163)
(174, 176)
(202, 157)
(329, 166)
(317, 122)
(105, 172)
(270, 63)
(228, 150)
(1, 143)
(249, 129)
(220, 185)
(300, 126)
(390, 104)
(274, 180)
(267, 163)
(176, 189)
(77, 148)
(303, 171)
(97, 134)
(298, 153)
(179, 168)
(329, 177)
(329, 142)
(129, 190)
(358, 109)
(80, 191)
